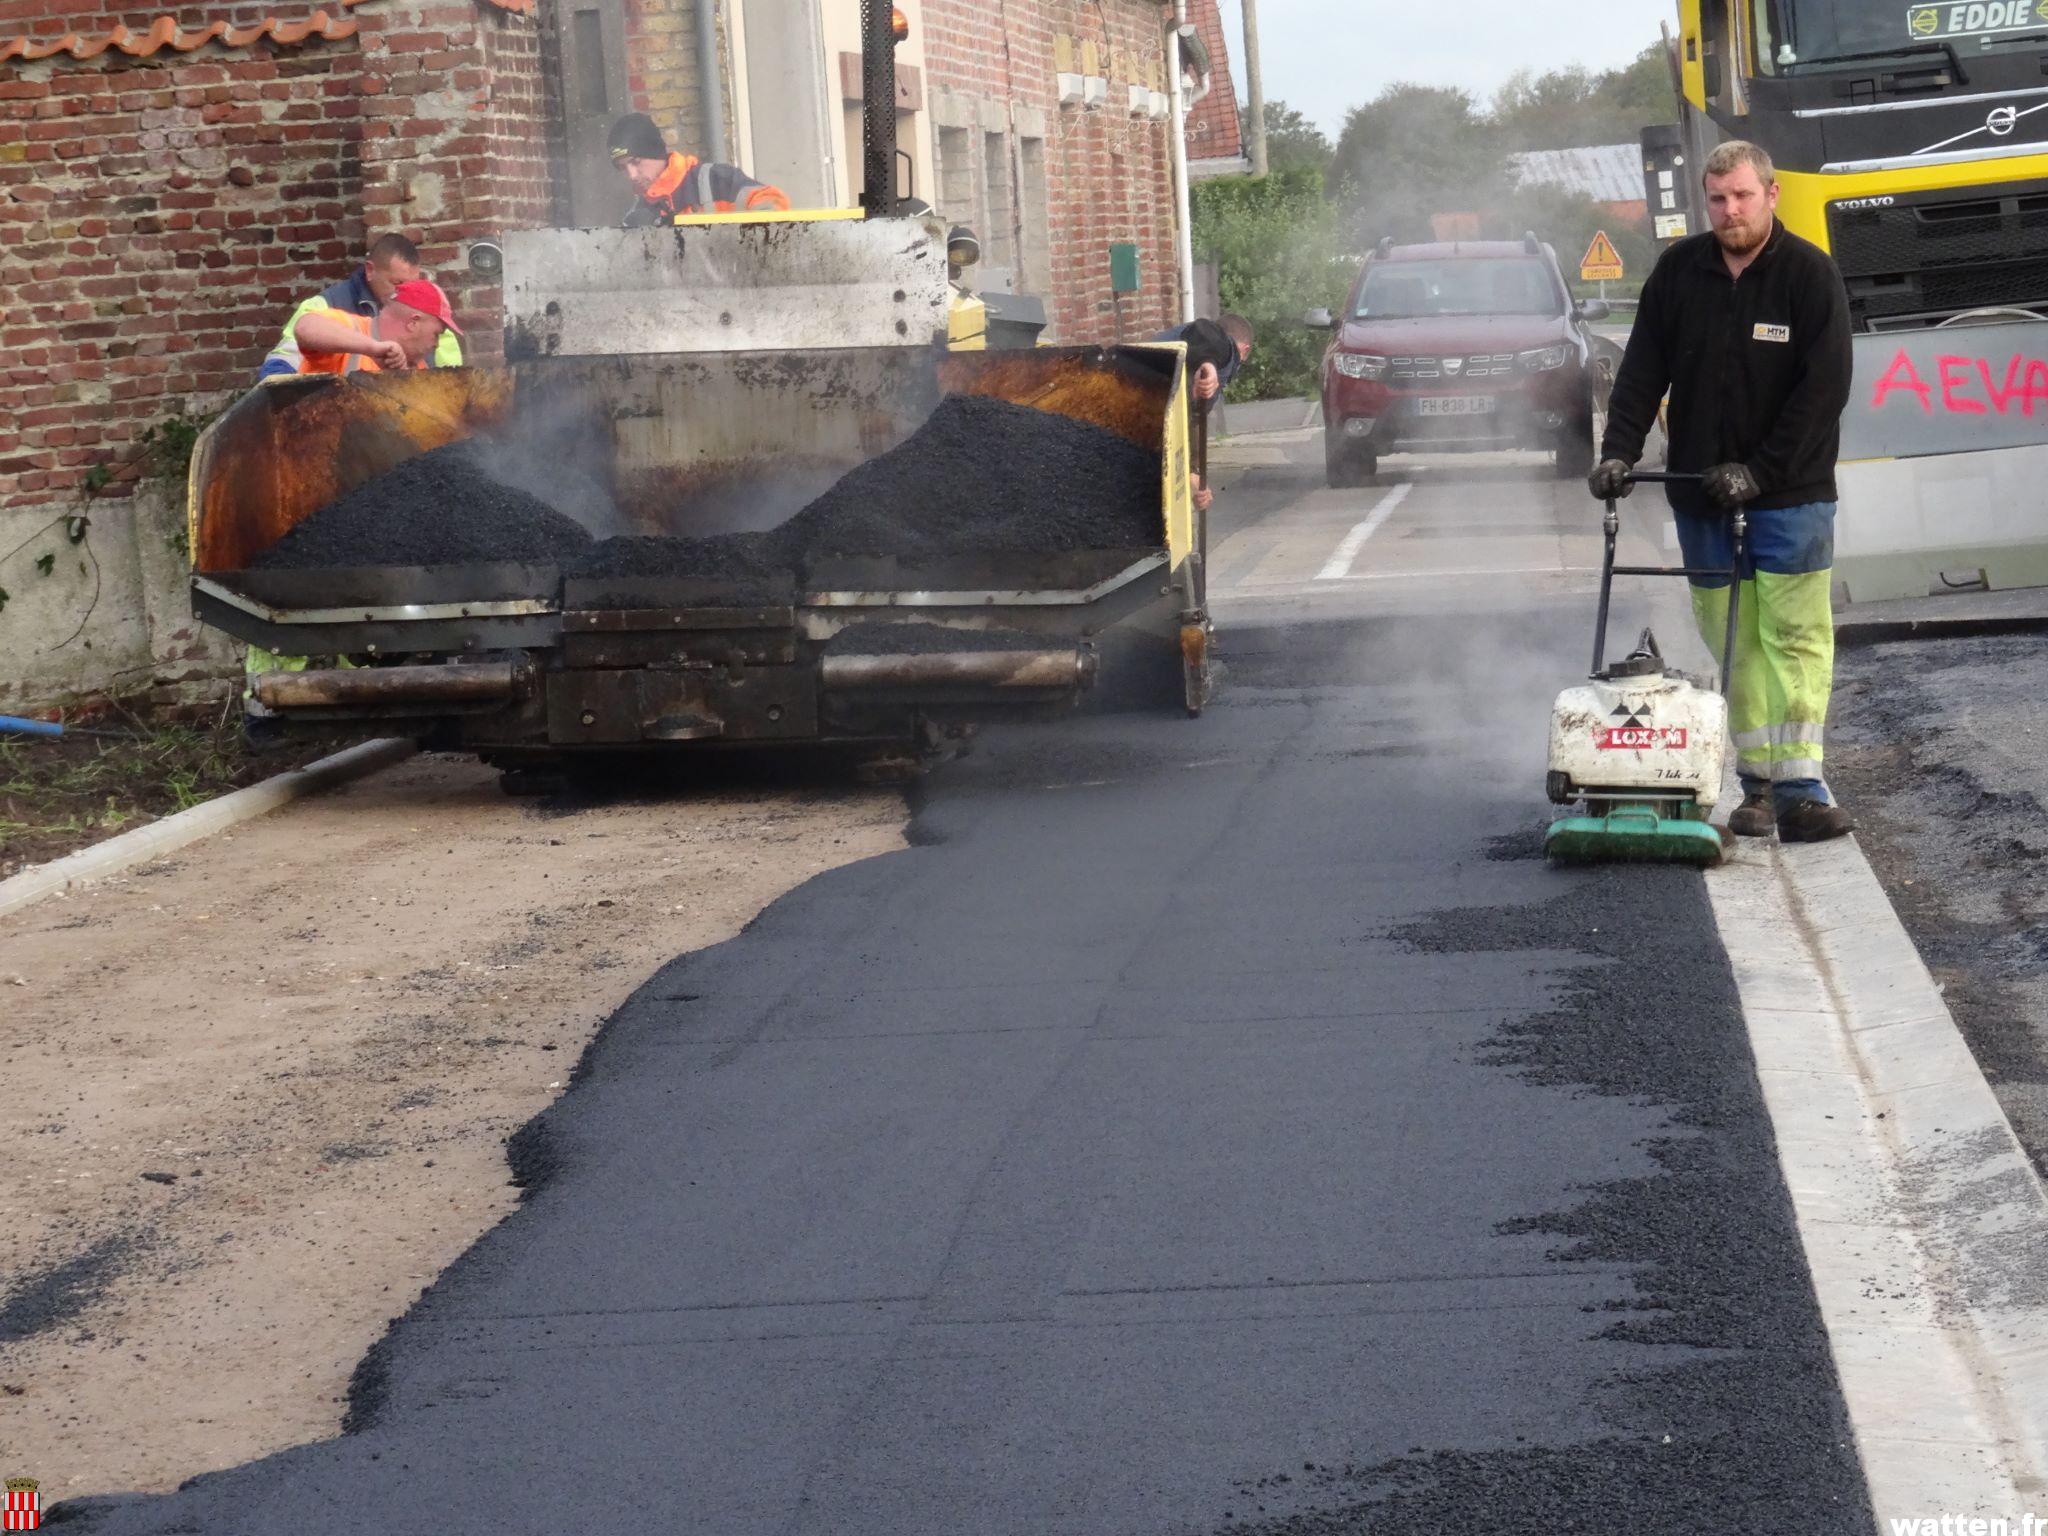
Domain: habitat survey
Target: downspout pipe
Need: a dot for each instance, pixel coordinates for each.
(711, 81)
(1183, 232)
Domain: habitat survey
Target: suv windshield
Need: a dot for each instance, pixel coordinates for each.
(1415, 290)
(1795, 33)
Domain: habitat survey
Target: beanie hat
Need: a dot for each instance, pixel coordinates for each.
(634, 137)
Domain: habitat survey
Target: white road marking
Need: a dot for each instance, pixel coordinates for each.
(1338, 566)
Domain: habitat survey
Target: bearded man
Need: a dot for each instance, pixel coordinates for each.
(1747, 327)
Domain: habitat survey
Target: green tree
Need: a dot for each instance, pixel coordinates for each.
(1412, 151)
(1567, 221)
(1292, 141)
(1643, 90)
(1277, 251)
(1566, 108)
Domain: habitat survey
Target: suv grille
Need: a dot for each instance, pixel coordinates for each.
(1932, 255)
(1484, 365)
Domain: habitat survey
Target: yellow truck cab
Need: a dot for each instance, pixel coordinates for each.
(1911, 140)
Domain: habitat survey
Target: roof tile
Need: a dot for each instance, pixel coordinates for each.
(165, 32)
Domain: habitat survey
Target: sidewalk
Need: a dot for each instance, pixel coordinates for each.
(1250, 416)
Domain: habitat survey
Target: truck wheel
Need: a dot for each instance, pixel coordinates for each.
(1347, 468)
(1575, 452)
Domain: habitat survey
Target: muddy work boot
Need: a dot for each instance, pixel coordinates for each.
(1754, 817)
(1811, 821)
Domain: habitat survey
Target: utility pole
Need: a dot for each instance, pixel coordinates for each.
(1254, 88)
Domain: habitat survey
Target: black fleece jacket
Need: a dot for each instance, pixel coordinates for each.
(1758, 369)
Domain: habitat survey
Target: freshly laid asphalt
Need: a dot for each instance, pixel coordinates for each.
(1215, 1126)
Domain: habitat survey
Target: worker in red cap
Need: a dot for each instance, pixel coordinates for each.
(403, 334)
(668, 184)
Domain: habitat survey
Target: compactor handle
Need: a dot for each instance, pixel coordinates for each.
(1609, 570)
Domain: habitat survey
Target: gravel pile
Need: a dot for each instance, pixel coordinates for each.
(443, 508)
(980, 475)
(984, 474)
(739, 557)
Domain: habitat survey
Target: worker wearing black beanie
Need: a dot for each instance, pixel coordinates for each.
(671, 184)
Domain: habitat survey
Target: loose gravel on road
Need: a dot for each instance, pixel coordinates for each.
(979, 476)
(1939, 747)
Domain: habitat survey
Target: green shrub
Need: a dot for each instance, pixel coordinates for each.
(1276, 248)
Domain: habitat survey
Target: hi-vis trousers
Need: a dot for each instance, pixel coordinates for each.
(1784, 640)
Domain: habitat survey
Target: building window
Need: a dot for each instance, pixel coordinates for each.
(999, 208)
(1034, 216)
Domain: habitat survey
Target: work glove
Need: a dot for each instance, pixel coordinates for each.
(1730, 485)
(1609, 480)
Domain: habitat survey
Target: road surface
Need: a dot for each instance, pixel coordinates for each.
(1217, 1126)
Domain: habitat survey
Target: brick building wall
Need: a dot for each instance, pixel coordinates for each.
(163, 205)
(661, 38)
(1075, 177)
(163, 213)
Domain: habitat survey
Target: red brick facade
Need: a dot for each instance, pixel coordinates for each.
(167, 195)
(162, 213)
(1107, 173)
(1214, 132)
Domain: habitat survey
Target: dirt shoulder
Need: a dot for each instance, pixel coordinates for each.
(63, 793)
(257, 1093)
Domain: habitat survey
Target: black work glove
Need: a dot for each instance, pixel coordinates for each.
(1609, 480)
(1730, 485)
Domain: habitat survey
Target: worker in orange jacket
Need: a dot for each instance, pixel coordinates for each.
(668, 184)
(403, 334)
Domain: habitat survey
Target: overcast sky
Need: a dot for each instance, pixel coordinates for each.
(1327, 56)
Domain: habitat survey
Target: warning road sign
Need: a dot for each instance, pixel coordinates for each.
(1602, 263)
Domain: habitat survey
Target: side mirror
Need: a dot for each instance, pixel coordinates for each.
(1319, 320)
(1594, 309)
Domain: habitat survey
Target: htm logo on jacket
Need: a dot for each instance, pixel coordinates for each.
(24, 1505)
(1636, 734)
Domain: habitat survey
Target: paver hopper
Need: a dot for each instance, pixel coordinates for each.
(517, 661)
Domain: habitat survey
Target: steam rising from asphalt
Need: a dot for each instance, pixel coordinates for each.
(559, 456)
(1478, 694)
(564, 454)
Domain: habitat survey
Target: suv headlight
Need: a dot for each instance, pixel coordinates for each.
(1361, 365)
(1543, 359)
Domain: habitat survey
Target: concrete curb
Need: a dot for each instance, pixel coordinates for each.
(1962, 615)
(175, 832)
(1922, 1217)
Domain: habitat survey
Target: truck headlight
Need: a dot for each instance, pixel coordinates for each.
(1361, 365)
(1543, 359)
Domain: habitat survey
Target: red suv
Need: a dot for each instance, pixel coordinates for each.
(1457, 347)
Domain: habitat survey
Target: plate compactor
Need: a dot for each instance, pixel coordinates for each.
(1642, 745)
